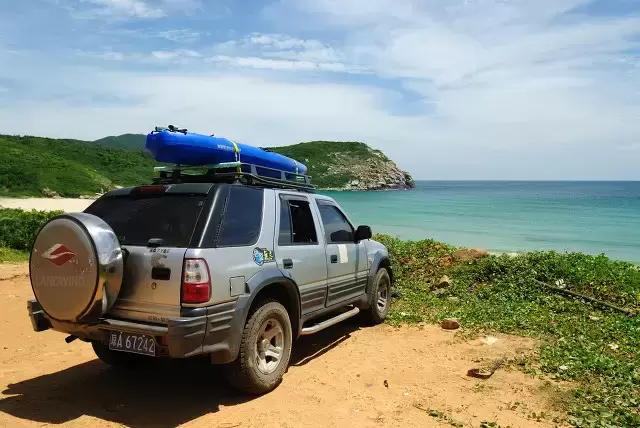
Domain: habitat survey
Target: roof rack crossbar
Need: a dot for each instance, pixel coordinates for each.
(174, 174)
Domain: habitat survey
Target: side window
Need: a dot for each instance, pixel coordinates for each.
(337, 228)
(242, 217)
(296, 223)
(284, 236)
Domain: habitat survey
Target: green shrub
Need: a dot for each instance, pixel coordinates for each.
(18, 228)
(596, 348)
(9, 255)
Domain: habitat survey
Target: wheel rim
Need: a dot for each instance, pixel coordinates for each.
(383, 296)
(270, 346)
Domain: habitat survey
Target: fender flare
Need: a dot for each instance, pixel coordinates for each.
(268, 277)
(380, 259)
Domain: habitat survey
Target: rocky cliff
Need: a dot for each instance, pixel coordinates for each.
(337, 165)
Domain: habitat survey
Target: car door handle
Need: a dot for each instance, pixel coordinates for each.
(334, 259)
(287, 263)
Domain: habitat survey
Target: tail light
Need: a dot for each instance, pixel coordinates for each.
(196, 281)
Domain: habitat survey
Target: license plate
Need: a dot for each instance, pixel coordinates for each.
(135, 343)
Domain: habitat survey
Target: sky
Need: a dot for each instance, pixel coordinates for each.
(449, 89)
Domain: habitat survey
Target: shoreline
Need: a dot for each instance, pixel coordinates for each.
(80, 204)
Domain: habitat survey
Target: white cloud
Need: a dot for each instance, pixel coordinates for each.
(129, 9)
(282, 52)
(158, 56)
(508, 89)
(254, 110)
(182, 35)
(126, 9)
(169, 55)
(111, 56)
(500, 73)
(279, 64)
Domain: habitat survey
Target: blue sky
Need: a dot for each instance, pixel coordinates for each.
(450, 89)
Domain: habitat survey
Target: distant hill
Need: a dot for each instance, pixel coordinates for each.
(347, 165)
(133, 142)
(33, 166)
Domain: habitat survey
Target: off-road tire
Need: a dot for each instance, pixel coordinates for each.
(375, 314)
(243, 374)
(117, 359)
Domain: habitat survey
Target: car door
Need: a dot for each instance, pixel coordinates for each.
(345, 258)
(301, 251)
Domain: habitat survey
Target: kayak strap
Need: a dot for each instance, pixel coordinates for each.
(236, 149)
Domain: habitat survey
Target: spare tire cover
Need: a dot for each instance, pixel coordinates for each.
(76, 267)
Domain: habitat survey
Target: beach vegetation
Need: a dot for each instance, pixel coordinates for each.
(593, 346)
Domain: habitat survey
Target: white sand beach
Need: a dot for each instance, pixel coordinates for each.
(46, 204)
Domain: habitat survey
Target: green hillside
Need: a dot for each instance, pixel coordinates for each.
(134, 142)
(71, 168)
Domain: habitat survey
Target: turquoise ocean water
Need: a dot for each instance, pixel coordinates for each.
(590, 217)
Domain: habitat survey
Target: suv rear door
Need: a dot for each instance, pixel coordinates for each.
(300, 249)
(151, 288)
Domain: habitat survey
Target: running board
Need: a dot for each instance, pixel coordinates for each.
(328, 323)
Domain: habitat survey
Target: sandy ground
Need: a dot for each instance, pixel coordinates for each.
(46, 204)
(337, 379)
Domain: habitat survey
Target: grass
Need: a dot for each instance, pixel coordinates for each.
(134, 142)
(18, 228)
(595, 348)
(9, 255)
(70, 168)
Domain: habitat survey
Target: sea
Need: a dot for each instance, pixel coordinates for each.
(508, 216)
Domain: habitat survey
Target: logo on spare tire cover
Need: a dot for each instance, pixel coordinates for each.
(59, 254)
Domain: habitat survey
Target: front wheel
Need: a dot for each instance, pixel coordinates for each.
(380, 297)
(265, 350)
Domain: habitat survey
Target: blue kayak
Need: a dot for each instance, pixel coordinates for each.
(187, 148)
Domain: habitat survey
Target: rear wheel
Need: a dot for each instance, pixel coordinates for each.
(116, 359)
(380, 297)
(265, 350)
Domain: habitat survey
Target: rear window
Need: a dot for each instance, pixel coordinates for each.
(171, 218)
(242, 218)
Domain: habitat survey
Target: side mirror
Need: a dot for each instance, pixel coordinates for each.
(363, 232)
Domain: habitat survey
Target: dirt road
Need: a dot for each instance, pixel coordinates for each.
(337, 379)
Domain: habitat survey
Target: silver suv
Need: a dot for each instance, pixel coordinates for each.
(234, 271)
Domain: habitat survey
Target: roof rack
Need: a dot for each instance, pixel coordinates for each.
(233, 172)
